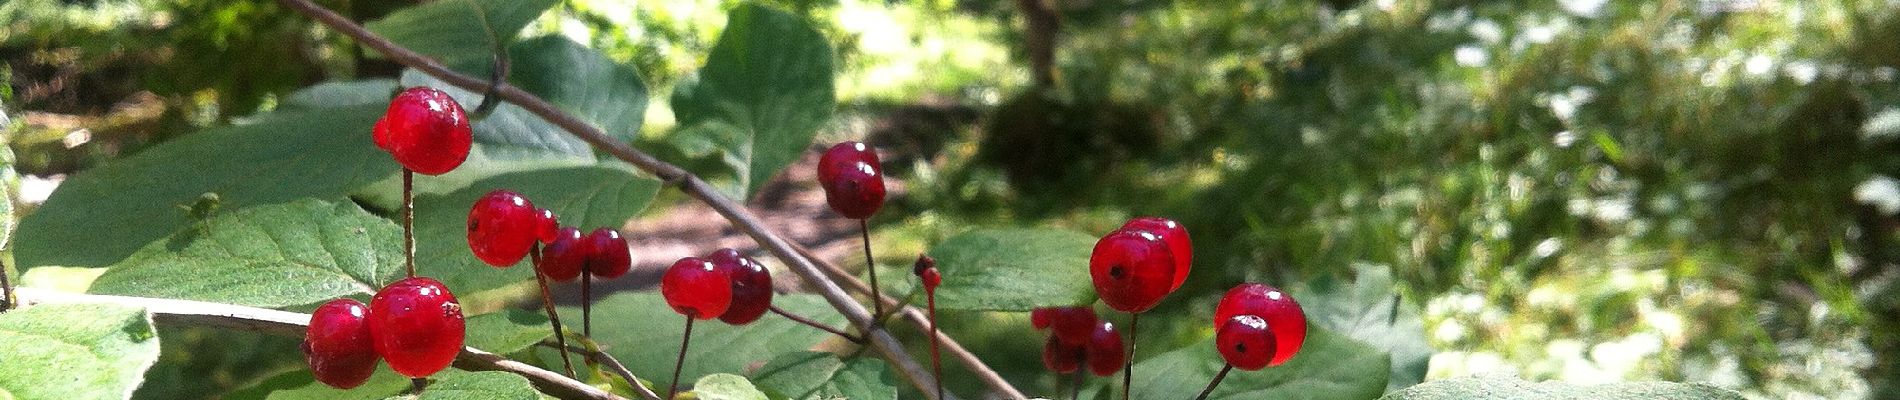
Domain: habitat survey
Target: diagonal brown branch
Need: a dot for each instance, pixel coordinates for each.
(613, 365)
(889, 347)
(285, 323)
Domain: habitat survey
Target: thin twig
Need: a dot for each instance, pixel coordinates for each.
(1215, 383)
(290, 324)
(547, 303)
(887, 346)
(815, 324)
(587, 300)
(409, 220)
(685, 339)
(870, 267)
(614, 365)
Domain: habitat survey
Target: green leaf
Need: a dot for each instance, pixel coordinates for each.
(1368, 310)
(765, 91)
(640, 330)
(584, 197)
(101, 215)
(449, 384)
(863, 378)
(279, 255)
(75, 351)
(814, 375)
(488, 385)
(1512, 388)
(456, 30)
(1014, 269)
(725, 387)
(507, 331)
(1328, 366)
(343, 94)
(583, 82)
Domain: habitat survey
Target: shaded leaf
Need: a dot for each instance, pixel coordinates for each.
(581, 81)
(487, 385)
(1014, 269)
(75, 351)
(456, 30)
(586, 197)
(1512, 388)
(1328, 366)
(814, 375)
(765, 91)
(279, 255)
(725, 387)
(1369, 311)
(101, 215)
(641, 331)
(343, 94)
(384, 383)
(507, 331)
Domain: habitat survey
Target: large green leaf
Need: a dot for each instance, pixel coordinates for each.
(1368, 310)
(765, 91)
(486, 385)
(449, 384)
(279, 255)
(1512, 388)
(456, 30)
(815, 375)
(582, 82)
(1014, 269)
(507, 331)
(342, 94)
(641, 331)
(1328, 366)
(75, 351)
(101, 215)
(585, 197)
(725, 387)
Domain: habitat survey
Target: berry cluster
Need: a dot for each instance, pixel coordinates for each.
(1140, 263)
(1257, 326)
(725, 284)
(414, 323)
(1077, 336)
(853, 179)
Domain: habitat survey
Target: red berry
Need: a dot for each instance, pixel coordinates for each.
(926, 270)
(1246, 342)
(502, 227)
(1106, 353)
(1177, 239)
(546, 225)
(1280, 311)
(1061, 356)
(695, 288)
(337, 344)
(1132, 270)
(610, 257)
(417, 326)
(853, 179)
(751, 286)
(1040, 317)
(425, 130)
(561, 261)
(1072, 324)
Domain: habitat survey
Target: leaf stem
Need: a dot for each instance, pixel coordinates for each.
(547, 302)
(815, 324)
(685, 338)
(870, 265)
(409, 221)
(1128, 367)
(1214, 383)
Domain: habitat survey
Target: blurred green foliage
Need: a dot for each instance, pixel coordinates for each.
(1581, 190)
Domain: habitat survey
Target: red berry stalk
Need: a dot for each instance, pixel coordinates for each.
(697, 289)
(853, 180)
(1135, 267)
(503, 227)
(926, 270)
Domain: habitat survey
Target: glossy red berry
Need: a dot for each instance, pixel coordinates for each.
(1132, 270)
(562, 259)
(1106, 353)
(1061, 356)
(853, 179)
(696, 288)
(1072, 324)
(1040, 318)
(337, 344)
(417, 326)
(751, 286)
(1177, 239)
(1281, 313)
(502, 227)
(425, 130)
(609, 257)
(546, 225)
(1245, 342)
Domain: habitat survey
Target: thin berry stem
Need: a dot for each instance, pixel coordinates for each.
(587, 300)
(1214, 383)
(547, 302)
(685, 338)
(815, 324)
(1128, 367)
(870, 265)
(417, 384)
(936, 360)
(1075, 385)
(409, 220)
